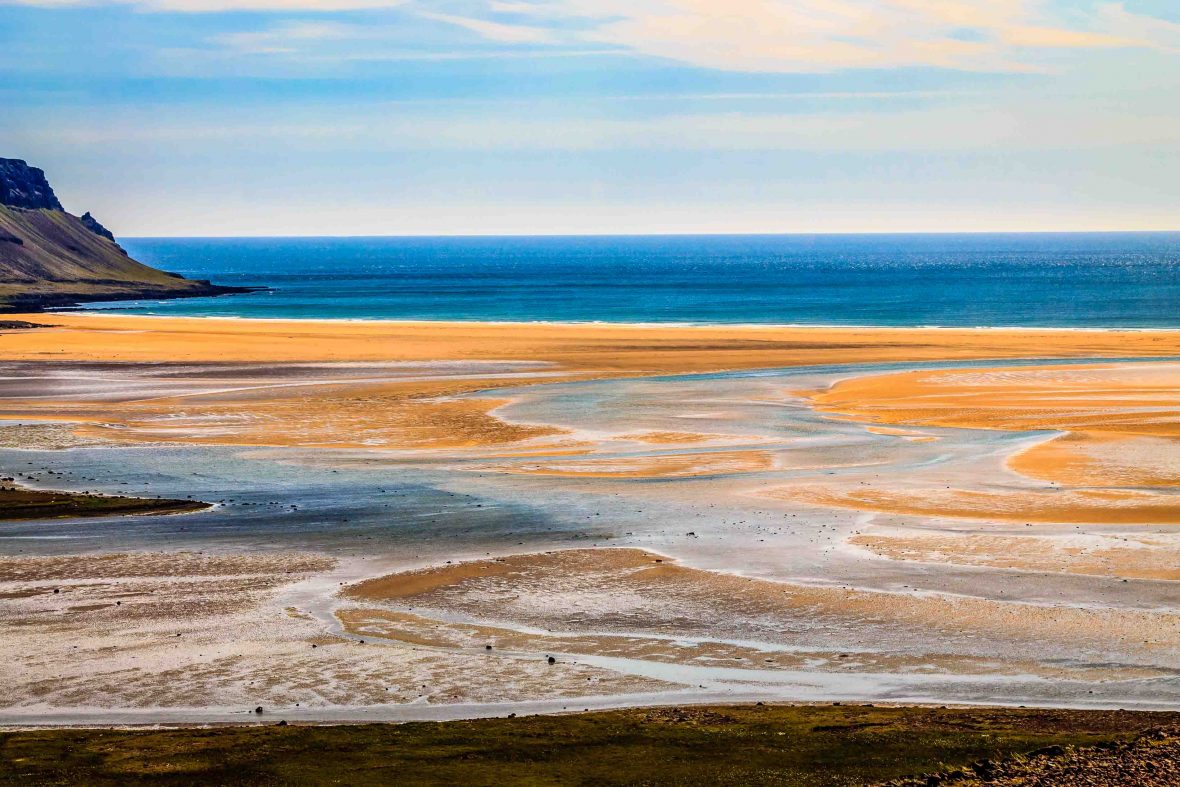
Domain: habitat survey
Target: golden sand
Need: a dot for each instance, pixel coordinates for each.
(598, 347)
(631, 592)
(249, 652)
(425, 413)
(908, 434)
(1083, 506)
(1103, 459)
(380, 415)
(666, 438)
(525, 566)
(1132, 398)
(1140, 557)
(659, 466)
(1121, 424)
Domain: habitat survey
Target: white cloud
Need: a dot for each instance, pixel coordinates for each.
(755, 35)
(495, 31)
(1118, 20)
(1035, 123)
(217, 6)
(286, 37)
(826, 35)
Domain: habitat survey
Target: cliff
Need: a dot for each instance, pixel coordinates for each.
(22, 186)
(49, 257)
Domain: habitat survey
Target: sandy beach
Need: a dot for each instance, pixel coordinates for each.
(412, 519)
(651, 349)
(401, 408)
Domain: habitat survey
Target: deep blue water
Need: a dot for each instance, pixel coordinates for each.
(1124, 279)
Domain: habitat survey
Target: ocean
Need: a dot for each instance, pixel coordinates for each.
(1069, 280)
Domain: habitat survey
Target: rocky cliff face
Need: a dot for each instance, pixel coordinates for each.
(49, 257)
(22, 186)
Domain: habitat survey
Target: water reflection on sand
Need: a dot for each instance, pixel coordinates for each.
(652, 536)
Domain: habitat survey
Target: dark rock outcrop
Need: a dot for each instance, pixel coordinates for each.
(91, 223)
(22, 186)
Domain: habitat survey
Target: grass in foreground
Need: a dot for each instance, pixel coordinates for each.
(31, 504)
(787, 745)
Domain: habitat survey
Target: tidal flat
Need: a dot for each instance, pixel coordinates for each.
(411, 521)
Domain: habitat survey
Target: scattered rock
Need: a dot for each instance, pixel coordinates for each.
(685, 716)
(1151, 760)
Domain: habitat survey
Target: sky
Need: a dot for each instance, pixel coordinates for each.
(397, 117)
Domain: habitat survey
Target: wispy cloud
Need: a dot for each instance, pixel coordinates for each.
(795, 36)
(220, 6)
(1035, 124)
(825, 35)
(495, 31)
(284, 38)
(741, 35)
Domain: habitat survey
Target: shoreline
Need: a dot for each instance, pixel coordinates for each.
(47, 302)
(115, 313)
(220, 718)
(606, 349)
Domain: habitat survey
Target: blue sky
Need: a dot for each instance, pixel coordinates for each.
(285, 117)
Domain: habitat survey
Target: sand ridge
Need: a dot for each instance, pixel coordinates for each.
(428, 412)
(633, 593)
(213, 632)
(1113, 463)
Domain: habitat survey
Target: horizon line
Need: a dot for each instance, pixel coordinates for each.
(769, 234)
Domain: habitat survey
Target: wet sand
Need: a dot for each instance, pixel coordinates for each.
(995, 533)
(1084, 506)
(1102, 459)
(285, 400)
(1155, 556)
(580, 590)
(1138, 397)
(1119, 439)
(182, 634)
(668, 465)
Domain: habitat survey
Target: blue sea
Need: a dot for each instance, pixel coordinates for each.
(1070, 280)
